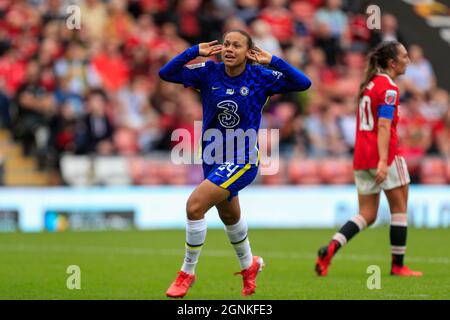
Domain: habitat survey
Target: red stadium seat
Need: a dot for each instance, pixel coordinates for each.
(174, 174)
(432, 171)
(137, 168)
(145, 171)
(447, 169)
(274, 179)
(336, 171)
(304, 171)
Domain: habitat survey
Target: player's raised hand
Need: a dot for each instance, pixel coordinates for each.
(260, 56)
(382, 171)
(207, 49)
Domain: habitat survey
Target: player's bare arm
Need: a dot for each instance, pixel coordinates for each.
(384, 133)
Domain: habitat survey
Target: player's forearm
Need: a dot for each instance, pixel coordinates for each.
(384, 133)
(172, 70)
(297, 79)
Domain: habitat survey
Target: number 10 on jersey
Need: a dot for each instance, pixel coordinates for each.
(365, 114)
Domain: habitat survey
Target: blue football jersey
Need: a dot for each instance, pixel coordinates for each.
(232, 106)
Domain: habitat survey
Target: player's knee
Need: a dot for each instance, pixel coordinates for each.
(228, 218)
(368, 218)
(194, 209)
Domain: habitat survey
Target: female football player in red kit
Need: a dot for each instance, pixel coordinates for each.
(377, 164)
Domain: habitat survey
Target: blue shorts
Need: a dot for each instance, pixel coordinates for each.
(230, 176)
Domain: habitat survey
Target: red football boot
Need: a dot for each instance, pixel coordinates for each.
(324, 257)
(404, 271)
(249, 276)
(181, 285)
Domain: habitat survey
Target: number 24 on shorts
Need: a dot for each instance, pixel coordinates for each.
(231, 168)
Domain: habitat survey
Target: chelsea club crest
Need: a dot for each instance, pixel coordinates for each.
(243, 91)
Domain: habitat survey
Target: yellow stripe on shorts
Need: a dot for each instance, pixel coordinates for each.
(238, 174)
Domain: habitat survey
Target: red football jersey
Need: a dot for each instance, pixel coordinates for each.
(381, 90)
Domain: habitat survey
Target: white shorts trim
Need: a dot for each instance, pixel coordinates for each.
(397, 176)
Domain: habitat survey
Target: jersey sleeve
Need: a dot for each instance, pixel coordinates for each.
(284, 78)
(189, 75)
(388, 100)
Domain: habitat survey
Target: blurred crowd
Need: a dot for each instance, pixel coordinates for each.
(96, 89)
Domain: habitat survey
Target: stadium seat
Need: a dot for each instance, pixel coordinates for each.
(447, 169)
(125, 141)
(76, 170)
(336, 171)
(279, 176)
(136, 167)
(112, 171)
(432, 171)
(174, 174)
(304, 171)
(151, 174)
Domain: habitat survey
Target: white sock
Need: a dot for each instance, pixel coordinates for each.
(237, 233)
(195, 238)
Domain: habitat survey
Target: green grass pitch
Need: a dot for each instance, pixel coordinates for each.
(141, 265)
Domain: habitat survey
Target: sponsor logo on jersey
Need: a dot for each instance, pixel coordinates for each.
(391, 97)
(196, 65)
(229, 118)
(277, 74)
(230, 91)
(244, 91)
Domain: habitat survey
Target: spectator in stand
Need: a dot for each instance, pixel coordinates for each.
(111, 67)
(281, 21)
(389, 31)
(438, 104)
(419, 77)
(443, 136)
(284, 117)
(12, 71)
(62, 132)
(336, 22)
(188, 19)
(415, 134)
(347, 122)
(132, 100)
(95, 130)
(5, 107)
(330, 45)
(75, 69)
(303, 13)
(35, 106)
(248, 10)
(263, 38)
(323, 132)
(118, 25)
(359, 33)
(94, 18)
(322, 75)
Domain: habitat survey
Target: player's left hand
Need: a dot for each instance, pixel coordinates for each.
(259, 55)
(382, 171)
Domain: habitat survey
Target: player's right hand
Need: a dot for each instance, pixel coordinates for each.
(207, 49)
(382, 171)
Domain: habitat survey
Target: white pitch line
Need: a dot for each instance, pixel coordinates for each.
(206, 252)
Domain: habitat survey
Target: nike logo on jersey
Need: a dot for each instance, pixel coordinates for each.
(215, 88)
(218, 174)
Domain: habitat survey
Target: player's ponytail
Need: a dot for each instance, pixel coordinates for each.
(378, 60)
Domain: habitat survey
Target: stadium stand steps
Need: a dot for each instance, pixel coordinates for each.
(19, 170)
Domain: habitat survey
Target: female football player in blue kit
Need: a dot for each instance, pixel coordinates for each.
(233, 95)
